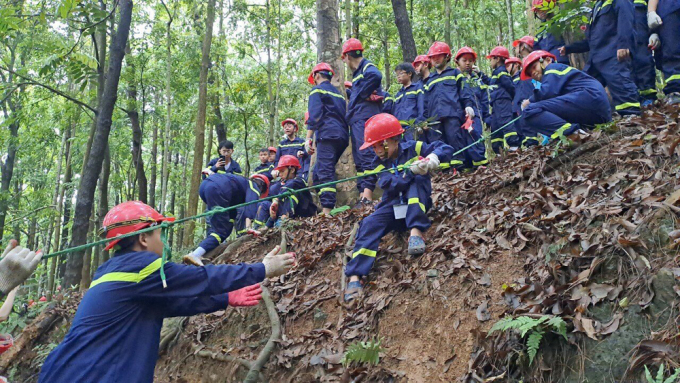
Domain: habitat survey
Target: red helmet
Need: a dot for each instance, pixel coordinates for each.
(128, 217)
(43, 299)
(439, 48)
(513, 60)
(290, 120)
(499, 52)
(265, 179)
(466, 50)
(421, 59)
(542, 5)
(352, 45)
(320, 67)
(532, 58)
(379, 128)
(348, 84)
(286, 161)
(528, 40)
(6, 341)
(306, 117)
(272, 149)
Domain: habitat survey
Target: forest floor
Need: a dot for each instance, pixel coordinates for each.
(560, 230)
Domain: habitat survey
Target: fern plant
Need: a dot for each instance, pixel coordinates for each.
(531, 328)
(660, 374)
(363, 352)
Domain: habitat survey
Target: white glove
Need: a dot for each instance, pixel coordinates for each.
(470, 112)
(207, 171)
(308, 145)
(276, 264)
(420, 167)
(433, 163)
(17, 264)
(653, 20)
(654, 41)
(274, 173)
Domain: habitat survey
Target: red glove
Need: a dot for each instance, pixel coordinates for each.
(247, 296)
(375, 98)
(253, 232)
(467, 125)
(273, 209)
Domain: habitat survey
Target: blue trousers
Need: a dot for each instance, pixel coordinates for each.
(616, 76)
(262, 214)
(221, 224)
(382, 221)
(561, 115)
(529, 138)
(644, 73)
(476, 155)
(502, 114)
(452, 135)
(669, 33)
(328, 153)
(363, 159)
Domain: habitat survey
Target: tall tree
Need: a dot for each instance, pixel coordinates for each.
(447, 21)
(167, 155)
(199, 130)
(511, 28)
(100, 141)
(133, 115)
(401, 19)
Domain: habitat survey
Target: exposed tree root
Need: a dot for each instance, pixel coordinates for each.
(254, 373)
(172, 327)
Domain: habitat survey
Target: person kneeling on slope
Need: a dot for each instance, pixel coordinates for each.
(566, 99)
(406, 193)
(116, 331)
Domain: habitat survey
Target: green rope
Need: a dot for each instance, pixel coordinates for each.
(166, 226)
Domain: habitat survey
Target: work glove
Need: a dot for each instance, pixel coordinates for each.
(253, 232)
(467, 125)
(247, 296)
(274, 173)
(375, 97)
(17, 264)
(470, 112)
(300, 153)
(433, 163)
(276, 264)
(273, 209)
(424, 165)
(653, 20)
(654, 41)
(308, 146)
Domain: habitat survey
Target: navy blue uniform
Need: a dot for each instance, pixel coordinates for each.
(265, 169)
(327, 111)
(291, 148)
(644, 73)
(611, 29)
(567, 97)
(546, 41)
(408, 104)
(234, 167)
(502, 94)
(224, 190)
(669, 34)
(400, 188)
(446, 98)
(476, 155)
(365, 80)
(524, 89)
(263, 206)
(116, 331)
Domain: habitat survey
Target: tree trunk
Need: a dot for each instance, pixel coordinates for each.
(511, 29)
(355, 17)
(165, 168)
(270, 92)
(153, 170)
(137, 135)
(348, 19)
(104, 198)
(199, 131)
(408, 44)
(220, 130)
(386, 47)
(100, 141)
(531, 19)
(447, 21)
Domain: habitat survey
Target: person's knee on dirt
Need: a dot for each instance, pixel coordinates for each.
(116, 330)
(327, 127)
(298, 204)
(225, 190)
(503, 133)
(223, 163)
(292, 145)
(406, 193)
(475, 156)
(565, 99)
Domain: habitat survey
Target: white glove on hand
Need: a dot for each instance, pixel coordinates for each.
(276, 264)
(433, 163)
(653, 20)
(654, 41)
(308, 145)
(420, 167)
(470, 112)
(207, 172)
(17, 264)
(274, 173)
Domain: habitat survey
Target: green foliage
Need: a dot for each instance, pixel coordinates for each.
(660, 375)
(363, 352)
(534, 327)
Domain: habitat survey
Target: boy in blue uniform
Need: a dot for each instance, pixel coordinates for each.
(364, 102)
(644, 72)
(265, 167)
(566, 98)
(664, 16)
(408, 102)
(224, 190)
(423, 65)
(448, 100)
(292, 145)
(546, 41)
(524, 89)
(326, 120)
(502, 93)
(610, 40)
(224, 163)
(299, 204)
(116, 331)
(475, 156)
(406, 197)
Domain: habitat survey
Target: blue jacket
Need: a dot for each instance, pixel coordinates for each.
(327, 109)
(234, 188)
(446, 95)
(301, 203)
(546, 41)
(480, 95)
(560, 80)
(502, 87)
(116, 330)
(610, 29)
(288, 147)
(524, 89)
(265, 169)
(234, 167)
(394, 183)
(365, 80)
(666, 7)
(409, 104)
